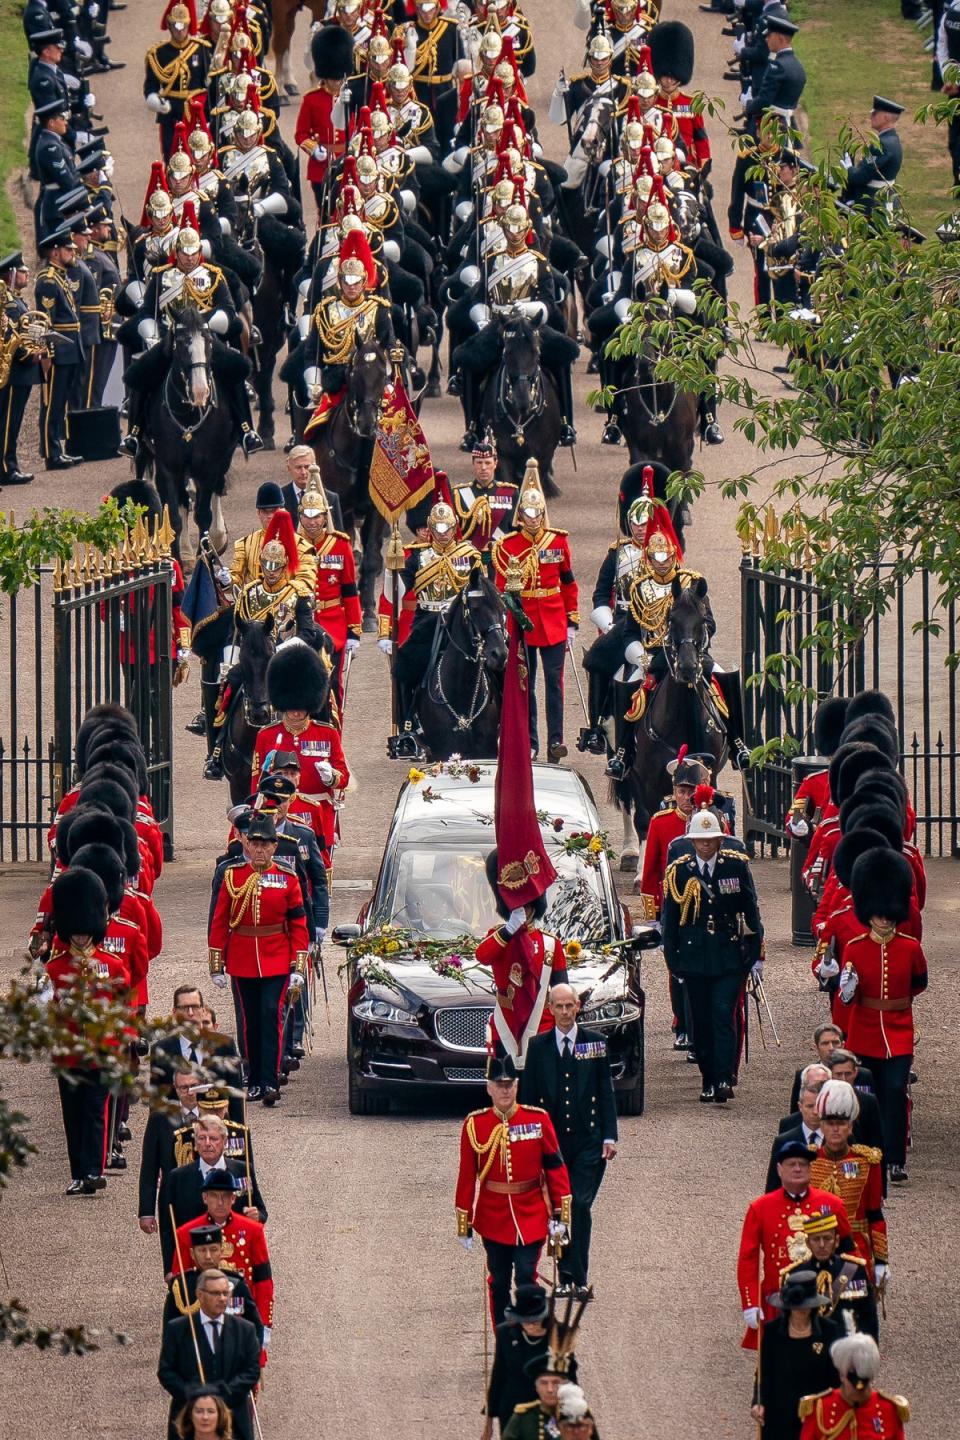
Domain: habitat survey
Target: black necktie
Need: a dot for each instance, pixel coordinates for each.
(215, 1336)
(192, 1055)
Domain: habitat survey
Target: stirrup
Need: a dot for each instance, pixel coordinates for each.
(213, 770)
(616, 766)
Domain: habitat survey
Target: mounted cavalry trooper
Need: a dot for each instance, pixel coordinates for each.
(188, 281)
(520, 279)
(629, 22)
(586, 106)
(176, 69)
(436, 570)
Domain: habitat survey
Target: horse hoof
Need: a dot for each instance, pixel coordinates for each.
(269, 443)
(291, 88)
(282, 99)
(433, 391)
(628, 860)
(370, 625)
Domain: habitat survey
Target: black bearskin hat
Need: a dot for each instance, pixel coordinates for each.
(297, 679)
(100, 769)
(126, 755)
(331, 50)
(881, 886)
(851, 767)
(842, 754)
(416, 516)
(132, 859)
(109, 718)
(87, 825)
(870, 702)
(104, 861)
(671, 50)
(858, 813)
(886, 784)
(79, 905)
(851, 847)
(142, 493)
(492, 867)
(828, 724)
(110, 795)
(875, 731)
(632, 487)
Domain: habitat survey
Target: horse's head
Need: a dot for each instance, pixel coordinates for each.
(687, 633)
(689, 217)
(594, 140)
(191, 345)
(366, 381)
(484, 618)
(257, 646)
(521, 360)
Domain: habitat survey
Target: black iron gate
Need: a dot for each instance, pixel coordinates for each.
(902, 651)
(96, 628)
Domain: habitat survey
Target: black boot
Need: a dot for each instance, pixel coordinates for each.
(564, 378)
(240, 409)
(468, 400)
(621, 760)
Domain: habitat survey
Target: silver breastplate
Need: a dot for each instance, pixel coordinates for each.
(514, 278)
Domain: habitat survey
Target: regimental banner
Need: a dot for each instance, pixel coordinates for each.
(401, 471)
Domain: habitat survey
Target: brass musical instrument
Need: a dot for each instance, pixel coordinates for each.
(29, 335)
(784, 227)
(107, 312)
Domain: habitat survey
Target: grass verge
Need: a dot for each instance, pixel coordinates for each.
(14, 100)
(858, 48)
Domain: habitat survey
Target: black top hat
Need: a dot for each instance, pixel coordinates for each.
(881, 885)
(219, 1180)
(104, 861)
(543, 1363)
(501, 1067)
(828, 724)
(79, 905)
(889, 107)
(206, 1235)
(297, 679)
(331, 51)
(671, 50)
(269, 496)
(261, 827)
(531, 1304)
(799, 1292)
(794, 1150)
(276, 787)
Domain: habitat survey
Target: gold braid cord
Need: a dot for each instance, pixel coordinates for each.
(338, 338)
(490, 1149)
(177, 73)
(688, 899)
(442, 573)
(244, 899)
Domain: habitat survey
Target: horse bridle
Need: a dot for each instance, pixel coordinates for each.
(171, 395)
(481, 689)
(505, 399)
(672, 651)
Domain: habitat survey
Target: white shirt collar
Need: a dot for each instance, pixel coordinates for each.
(185, 1048)
(205, 1168)
(571, 1035)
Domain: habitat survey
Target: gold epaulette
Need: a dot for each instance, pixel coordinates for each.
(666, 806)
(308, 799)
(870, 1153)
(807, 1403)
(340, 534)
(584, 75)
(899, 1402)
(735, 854)
(526, 1405)
(554, 531)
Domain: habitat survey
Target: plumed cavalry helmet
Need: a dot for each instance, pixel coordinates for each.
(441, 517)
(279, 550)
(516, 220)
(399, 77)
(249, 122)
(491, 45)
(600, 50)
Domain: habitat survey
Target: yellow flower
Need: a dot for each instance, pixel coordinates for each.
(415, 776)
(596, 845)
(391, 947)
(572, 949)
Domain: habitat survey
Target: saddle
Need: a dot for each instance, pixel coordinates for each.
(711, 696)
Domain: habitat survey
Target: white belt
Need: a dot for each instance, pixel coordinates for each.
(433, 605)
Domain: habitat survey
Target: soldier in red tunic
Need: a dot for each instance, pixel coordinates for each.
(298, 686)
(813, 793)
(316, 132)
(507, 1154)
(258, 937)
(244, 1243)
(883, 969)
(550, 600)
(854, 1410)
(671, 54)
(773, 1234)
(337, 607)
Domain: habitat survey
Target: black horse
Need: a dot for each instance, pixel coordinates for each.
(459, 701)
(521, 405)
(190, 431)
(268, 317)
(659, 420)
(682, 711)
(344, 449)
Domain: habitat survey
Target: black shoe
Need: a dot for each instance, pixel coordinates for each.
(568, 437)
(292, 1064)
(707, 1095)
(123, 1133)
(455, 385)
(297, 1051)
(283, 1079)
(681, 1041)
(15, 477)
(691, 1057)
(95, 1182)
(556, 752)
(898, 1175)
(271, 1096)
(740, 759)
(117, 1161)
(469, 442)
(408, 746)
(565, 1288)
(77, 1187)
(612, 434)
(592, 741)
(197, 726)
(712, 434)
(289, 444)
(254, 1093)
(616, 767)
(62, 461)
(213, 770)
(251, 442)
(724, 1093)
(130, 445)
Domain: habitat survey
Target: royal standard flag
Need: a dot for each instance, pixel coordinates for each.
(401, 471)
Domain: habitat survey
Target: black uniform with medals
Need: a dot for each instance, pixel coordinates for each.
(843, 1276)
(56, 298)
(24, 374)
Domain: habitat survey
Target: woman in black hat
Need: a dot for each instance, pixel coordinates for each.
(794, 1356)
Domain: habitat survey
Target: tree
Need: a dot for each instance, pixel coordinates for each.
(53, 534)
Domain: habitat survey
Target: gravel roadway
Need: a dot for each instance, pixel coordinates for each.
(379, 1313)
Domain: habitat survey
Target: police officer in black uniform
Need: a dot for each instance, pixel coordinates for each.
(55, 297)
(24, 371)
(712, 939)
(781, 84)
(567, 1073)
(881, 165)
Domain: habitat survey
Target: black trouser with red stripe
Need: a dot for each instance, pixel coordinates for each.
(83, 1100)
(551, 657)
(260, 1007)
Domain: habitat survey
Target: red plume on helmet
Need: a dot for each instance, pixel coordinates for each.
(634, 113)
(179, 139)
(659, 517)
(494, 93)
(703, 796)
(503, 171)
(281, 528)
(356, 246)
(189, 5)
(157, 181)
(513, 115)
(378, 97)
(441, 488)
(645, 165)
(252, 101)
(399, 54)
(348, 175)
(645, 60)
(378, 25)
(240, 20)
(349, 200)
(197, 120)
(188, 217)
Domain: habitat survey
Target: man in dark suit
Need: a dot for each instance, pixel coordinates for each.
(158, 1153)
(567, 1072)
(804, 1123)
(827, 1039)
(215, 1053)
(228, 1351)
(183, 1187)
(299, 461)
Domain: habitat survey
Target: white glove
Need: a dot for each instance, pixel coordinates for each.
(321, 936)
(828, 968)
(480, 315)
(469, 276)
(220, 981)
(683, 300)
(622, 309)
(267, 1335)
(135, 292)
(219, 322)
(881, 1273)
(557, 1230)
(408, 201)
(385, 645)
(391, 251)
(752, 1317)
(223, 575)
(296, 981)
(602, 617)
(225, 227)
(571, 636)
(147, 330)
(534, 310)
(849, 981)
(83, 47)
(353, 645)
(466, 1241)
(798, 826)
(517, 918)
(325, 772)
(756, 970)
(318, 152)
(89, 100)
(159, 104)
